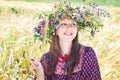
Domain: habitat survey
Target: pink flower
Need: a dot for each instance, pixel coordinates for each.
(55, 5)
(42, 24)
(49, 22)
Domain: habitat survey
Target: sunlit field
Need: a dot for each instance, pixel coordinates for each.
(17, 45)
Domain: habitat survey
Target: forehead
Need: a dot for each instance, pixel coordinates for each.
(66, 21)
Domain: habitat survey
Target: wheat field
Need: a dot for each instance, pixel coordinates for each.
(17, 42)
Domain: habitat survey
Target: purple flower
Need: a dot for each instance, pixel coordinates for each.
(79, 18)
(69, 9)
(93, 5)
(37, 29)
(79, 12)
(100, 11)
(103, 12)
(106, 14)
(42, 24)
(87, 11)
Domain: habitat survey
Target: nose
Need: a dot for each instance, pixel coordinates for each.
(69, 25)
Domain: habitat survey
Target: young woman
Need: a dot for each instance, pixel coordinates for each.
(67, 59)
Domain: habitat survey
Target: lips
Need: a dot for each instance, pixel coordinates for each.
(68, 34)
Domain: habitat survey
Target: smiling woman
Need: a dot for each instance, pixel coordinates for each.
(67, 59)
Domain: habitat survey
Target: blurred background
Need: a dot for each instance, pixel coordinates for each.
(17, 45)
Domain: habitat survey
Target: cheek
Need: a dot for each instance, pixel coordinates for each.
(58, 31)
(75, 31)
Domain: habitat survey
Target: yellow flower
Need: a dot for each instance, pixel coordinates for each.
(75, 14)
(72, 5)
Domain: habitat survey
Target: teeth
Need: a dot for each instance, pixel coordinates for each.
(68, 33)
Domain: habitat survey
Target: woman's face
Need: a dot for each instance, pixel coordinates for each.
(66, 30)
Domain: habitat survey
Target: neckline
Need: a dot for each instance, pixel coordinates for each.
(65, 54)
(62, 58)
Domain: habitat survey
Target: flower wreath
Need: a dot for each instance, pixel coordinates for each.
(87, 17)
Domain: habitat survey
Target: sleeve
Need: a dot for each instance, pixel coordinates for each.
(92, 64)
(44, 61)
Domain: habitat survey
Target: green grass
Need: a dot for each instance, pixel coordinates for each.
(99, 2)
(49, 1)
(107, 2)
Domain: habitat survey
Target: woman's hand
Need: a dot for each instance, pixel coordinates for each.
(37, 69)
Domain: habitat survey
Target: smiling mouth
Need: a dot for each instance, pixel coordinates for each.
(68, 34)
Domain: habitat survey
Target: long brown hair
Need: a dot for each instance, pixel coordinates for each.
(54, 52)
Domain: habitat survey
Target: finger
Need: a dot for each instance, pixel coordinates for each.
(35, 64)
(32, 70)
(33, 67)
(32, 60)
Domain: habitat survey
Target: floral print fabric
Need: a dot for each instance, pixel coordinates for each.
(87, 68)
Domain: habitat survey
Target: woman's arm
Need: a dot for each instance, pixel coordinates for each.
(37, 69)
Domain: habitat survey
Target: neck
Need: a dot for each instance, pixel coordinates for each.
(65, 47)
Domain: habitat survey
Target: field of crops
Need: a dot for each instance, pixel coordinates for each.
(17, 42)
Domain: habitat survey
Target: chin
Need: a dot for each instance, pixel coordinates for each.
(68, 39)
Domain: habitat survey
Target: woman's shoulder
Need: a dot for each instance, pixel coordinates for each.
(45, 54)
(87, 51)
(86, 48)
(44, 57)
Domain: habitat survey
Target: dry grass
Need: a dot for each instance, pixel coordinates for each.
(17, 43)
